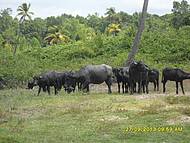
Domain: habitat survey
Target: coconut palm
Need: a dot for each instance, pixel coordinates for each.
(110, 13)
(114, 29)
(55, 36)
(23, 11)
(138, 35)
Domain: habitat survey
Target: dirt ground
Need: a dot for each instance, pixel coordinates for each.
(170, 88)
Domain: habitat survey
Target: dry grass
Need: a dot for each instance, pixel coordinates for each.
(94, 117)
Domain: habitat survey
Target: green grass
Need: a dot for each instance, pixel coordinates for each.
(91, 118)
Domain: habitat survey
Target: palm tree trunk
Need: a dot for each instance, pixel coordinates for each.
(15, 45)
(137, 39)
(14, 50)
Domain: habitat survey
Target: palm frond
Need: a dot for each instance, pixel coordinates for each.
(19, 8)
(29, 17)
(29, 6)
(20, 13)
(25, 7)
(31, 13)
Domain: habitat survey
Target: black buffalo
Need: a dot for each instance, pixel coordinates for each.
(138, 73)
(70, 82)
(95, 74)
(174, 74)
(153, 76)
(122, 76)
(46, 80)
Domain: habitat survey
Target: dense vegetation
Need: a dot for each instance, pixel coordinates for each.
(66, 42)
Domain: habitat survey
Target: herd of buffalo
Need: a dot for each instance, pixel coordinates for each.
(137, 73)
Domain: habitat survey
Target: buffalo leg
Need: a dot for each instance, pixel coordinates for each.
(118, 84)
(109, 83)
(181, 83)
(74, 88)
(85, 86)
(154, 85)
(48, 89)
(88, 88)
(143, 86)
(44, 89)
(131, 87)
(164, 86)
(126, 88)
(135, 87)
(157, 83)
(176, 87)
(139, 87)
(123, 88)
(147, 91)
(55, 88)
(39, 90)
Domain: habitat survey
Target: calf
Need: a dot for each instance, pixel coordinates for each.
(153, 76)
(174, 74)
(122, 76)
(45, 80)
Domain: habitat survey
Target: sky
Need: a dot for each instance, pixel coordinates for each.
(45, 8)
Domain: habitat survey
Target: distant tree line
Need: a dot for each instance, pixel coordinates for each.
(23, 31)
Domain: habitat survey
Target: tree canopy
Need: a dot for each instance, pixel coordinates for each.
(57, 42)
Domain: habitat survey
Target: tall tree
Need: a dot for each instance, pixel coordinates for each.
(137, 39)
(23, 11)
(111, 13)
(181, 13)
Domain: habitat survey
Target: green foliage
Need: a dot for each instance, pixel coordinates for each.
(77, 41)
(181, 14)
(35, 43)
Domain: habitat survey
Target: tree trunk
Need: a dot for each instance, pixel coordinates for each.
(15, 43)
(137, 39)
(14, 50)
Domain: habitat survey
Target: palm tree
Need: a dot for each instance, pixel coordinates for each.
(55, 36)
(114, 29)
(23, 11)
(110, 13)
(138, 34)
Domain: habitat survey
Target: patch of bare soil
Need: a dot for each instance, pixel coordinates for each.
(170, 90)
(112, 118)
(179, 119)
(28, 112)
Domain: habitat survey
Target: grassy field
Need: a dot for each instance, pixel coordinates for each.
(93, 118)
